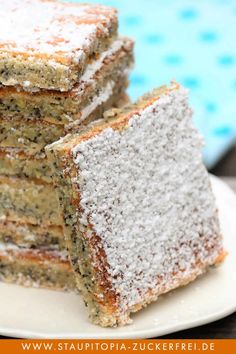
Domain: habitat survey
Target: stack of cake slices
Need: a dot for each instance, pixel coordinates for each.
(61, 66)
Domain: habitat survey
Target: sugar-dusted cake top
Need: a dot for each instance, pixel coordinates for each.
(47, 27)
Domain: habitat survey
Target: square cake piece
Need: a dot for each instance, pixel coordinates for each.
(47, 43)
(139, 214)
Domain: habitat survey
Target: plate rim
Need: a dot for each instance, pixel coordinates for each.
(139, 334)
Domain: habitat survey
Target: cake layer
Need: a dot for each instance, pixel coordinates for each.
(36, 268)
(67, 107)
(30, 201)
(47, 44)
(32, 236)
(14, 162)
(20, 164)
(30, 136)
(139, 214)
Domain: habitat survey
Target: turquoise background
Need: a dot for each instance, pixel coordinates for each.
(193, 42)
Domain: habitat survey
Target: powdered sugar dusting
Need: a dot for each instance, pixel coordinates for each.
(50, 27)
(147, 195)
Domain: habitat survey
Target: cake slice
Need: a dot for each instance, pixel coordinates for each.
(48, 44)
(111, 68)
(139, 214)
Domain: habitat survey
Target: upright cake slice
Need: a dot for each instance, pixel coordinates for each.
(139, 213)
(47, 44)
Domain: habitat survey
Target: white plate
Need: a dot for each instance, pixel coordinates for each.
(37, 313)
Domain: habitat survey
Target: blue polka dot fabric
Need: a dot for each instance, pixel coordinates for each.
(192, 42)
